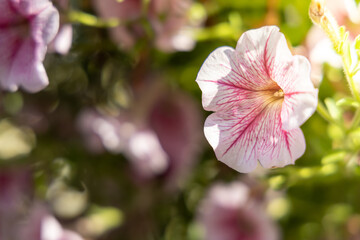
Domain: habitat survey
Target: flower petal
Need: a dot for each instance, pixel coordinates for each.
(267, 47)
(29, 7)
(45, 25)
(7, 13)
(253, 132)
(23, 47)
(261, 52)
(285, 148)
(300, 99)
(26, 70)
(223, 82)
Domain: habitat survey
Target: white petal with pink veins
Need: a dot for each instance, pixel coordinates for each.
(215, 69)
(300, 96)
(242, 137)
(224, 82)
(261, 53)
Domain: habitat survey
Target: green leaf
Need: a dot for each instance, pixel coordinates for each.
(333, 157)
(334, 110)
(347, 54)
(347, 102)
(357, 45)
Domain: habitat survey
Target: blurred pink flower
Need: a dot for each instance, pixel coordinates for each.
(122, 135)
(26, 27)
(170, 28)
(15, 192)
(40, 225)
(229, 213)
(63, 39)
(127, 11)
(260, 94)
(176, 120)
(161, 138)
(15, 189)
(168, 18)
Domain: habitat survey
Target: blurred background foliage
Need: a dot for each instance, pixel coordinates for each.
(96, 194)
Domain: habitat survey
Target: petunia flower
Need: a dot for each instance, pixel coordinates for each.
(26, 27)
(260, 94)
(229, 212)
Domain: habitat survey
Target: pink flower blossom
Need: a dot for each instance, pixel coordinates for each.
(168, 18)
(230, 213)
(160, 138)
(40, 225)
(260, 94)
(26, 27)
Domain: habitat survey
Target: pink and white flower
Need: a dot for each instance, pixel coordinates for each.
(260, 94)
(26, 27)
(230, 213)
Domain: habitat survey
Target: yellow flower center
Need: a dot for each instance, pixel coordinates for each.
(279, 93)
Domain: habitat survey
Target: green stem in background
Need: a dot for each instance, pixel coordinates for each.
(346, 58)
(145, 7)
(321, 109)
(91, 20)
(356, 119)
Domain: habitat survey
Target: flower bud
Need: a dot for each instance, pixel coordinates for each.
(317, 10)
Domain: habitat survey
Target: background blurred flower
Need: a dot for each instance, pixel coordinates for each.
(40, 225)
(15, 190)
(168, 19)
(229, 212)
(261, 94)
(127, 12)
(63, 39)
(162, 138)
(25, 30)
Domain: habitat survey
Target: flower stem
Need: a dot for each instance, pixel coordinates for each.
(356, 120)
(91, 20)
(350, 79)
(325, 114)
